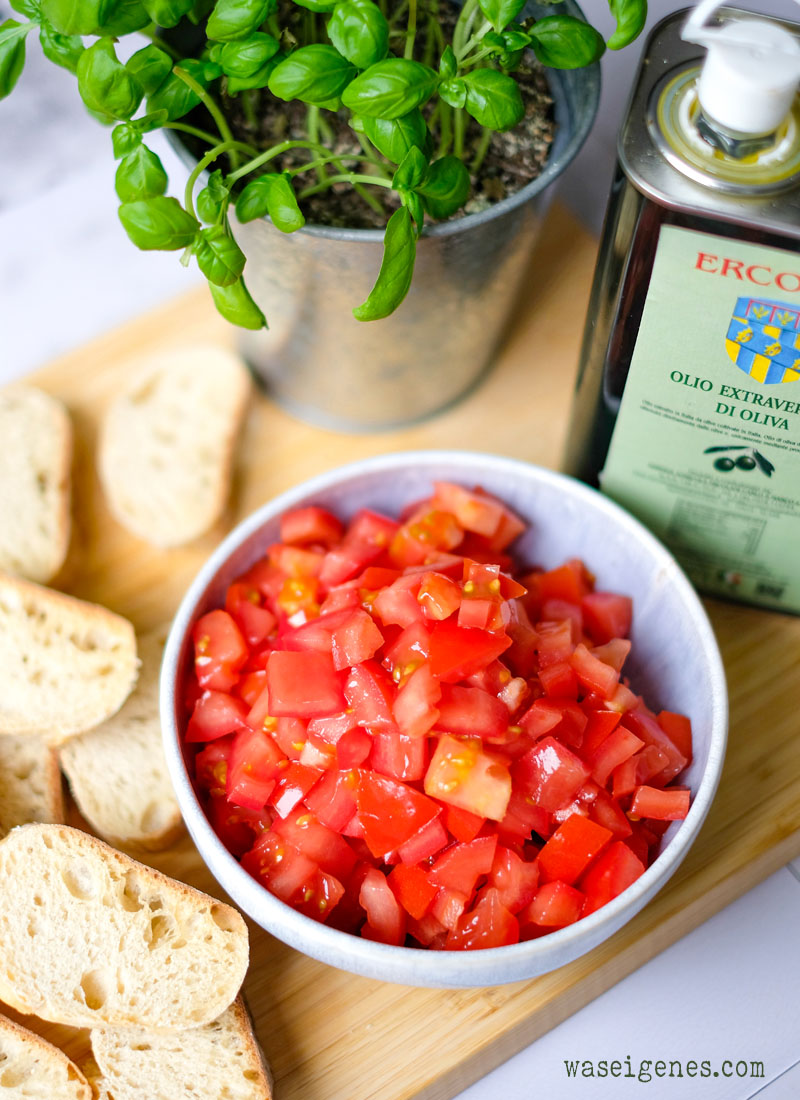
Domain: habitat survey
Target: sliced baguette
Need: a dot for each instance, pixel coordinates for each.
(91, 938)
(167, 443)
(35, 462)
(33, 1069)
(117, 772)
(30, 783)
(65, 665)
(221, 1060)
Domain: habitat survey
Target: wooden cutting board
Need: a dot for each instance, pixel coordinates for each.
(329, 1035)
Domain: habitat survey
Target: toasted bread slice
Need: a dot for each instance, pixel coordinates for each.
(65, 665)
(33, 1069)
(221, 1060)
(91, 938)
(117, 772)
(30, 783)
(167, 443)
(35, 462)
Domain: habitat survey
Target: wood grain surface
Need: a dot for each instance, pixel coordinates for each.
(330, 1035)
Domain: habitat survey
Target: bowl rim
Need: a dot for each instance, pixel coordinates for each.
(488, 966)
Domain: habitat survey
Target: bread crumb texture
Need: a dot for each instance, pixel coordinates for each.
(91, 938)
(33, 1069)
(65, 665)
(167, 442)
(221, 1060)
(30, 783)
(35, 465)
(118, 773)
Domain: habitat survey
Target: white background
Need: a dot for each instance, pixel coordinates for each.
(67, 273)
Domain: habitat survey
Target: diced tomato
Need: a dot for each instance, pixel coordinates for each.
(416, 704)
(386, 921)
(555, 905)
(220, 651)
(254, 766)
(403, 736)
(413, 889)
(606, 616)
(303, 684)
(661, 805)
(678, 729)
(489, 924)
(463, 774)
(618, 747)
(456, 652)
(390, 812)
(515, 879)
(550, 774)
(294, 783)
(369, 694)
(461, 865)
(461, 824)
(425, 844)
(571, 848)
(614, 870)
(310, 525)
(398, 756)
(215, 714)
(471, 711)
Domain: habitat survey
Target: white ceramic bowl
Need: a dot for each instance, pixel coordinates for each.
(675, 663)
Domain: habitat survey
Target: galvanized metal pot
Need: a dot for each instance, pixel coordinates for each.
(320, 363)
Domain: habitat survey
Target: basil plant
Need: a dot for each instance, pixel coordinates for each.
(403, 80)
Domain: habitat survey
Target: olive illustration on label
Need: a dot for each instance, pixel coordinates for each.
(750, 460)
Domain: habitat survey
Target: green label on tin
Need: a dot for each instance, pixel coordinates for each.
(706, 448)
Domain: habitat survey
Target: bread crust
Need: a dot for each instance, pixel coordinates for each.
(29, 1061)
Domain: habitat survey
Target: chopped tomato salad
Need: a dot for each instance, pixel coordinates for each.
(402, 733)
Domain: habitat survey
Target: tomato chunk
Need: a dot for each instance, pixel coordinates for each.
(303, 684)
(391, 812)
(462, 774)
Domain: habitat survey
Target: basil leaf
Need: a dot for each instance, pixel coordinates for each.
(501, 12)
(413, 203)
(321, 6)
(167, 13)
(445, 188)
(174, 96)
(630, 16)
(77, 16)
(140, 175)
(232, 19)
(245, 57)
(12, 53)
(236, 305)
(105, 85)
(270, 195)
(62, 49)
(360, 32)
(214, 196)
(411, 171)
(151, 66)
(125, 138)
(159, 222)
(259, 79)
(564, 42)
(313, 74)
(453, 92)
(397, 269)
(448, 66)
(125, 17)
(391, 88)
(493, 99)
(31, 9)
(218, 255)
(395, 136)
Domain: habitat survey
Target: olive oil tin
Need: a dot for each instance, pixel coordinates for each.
(687, 406)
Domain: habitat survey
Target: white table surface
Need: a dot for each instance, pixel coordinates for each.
(726, 994)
